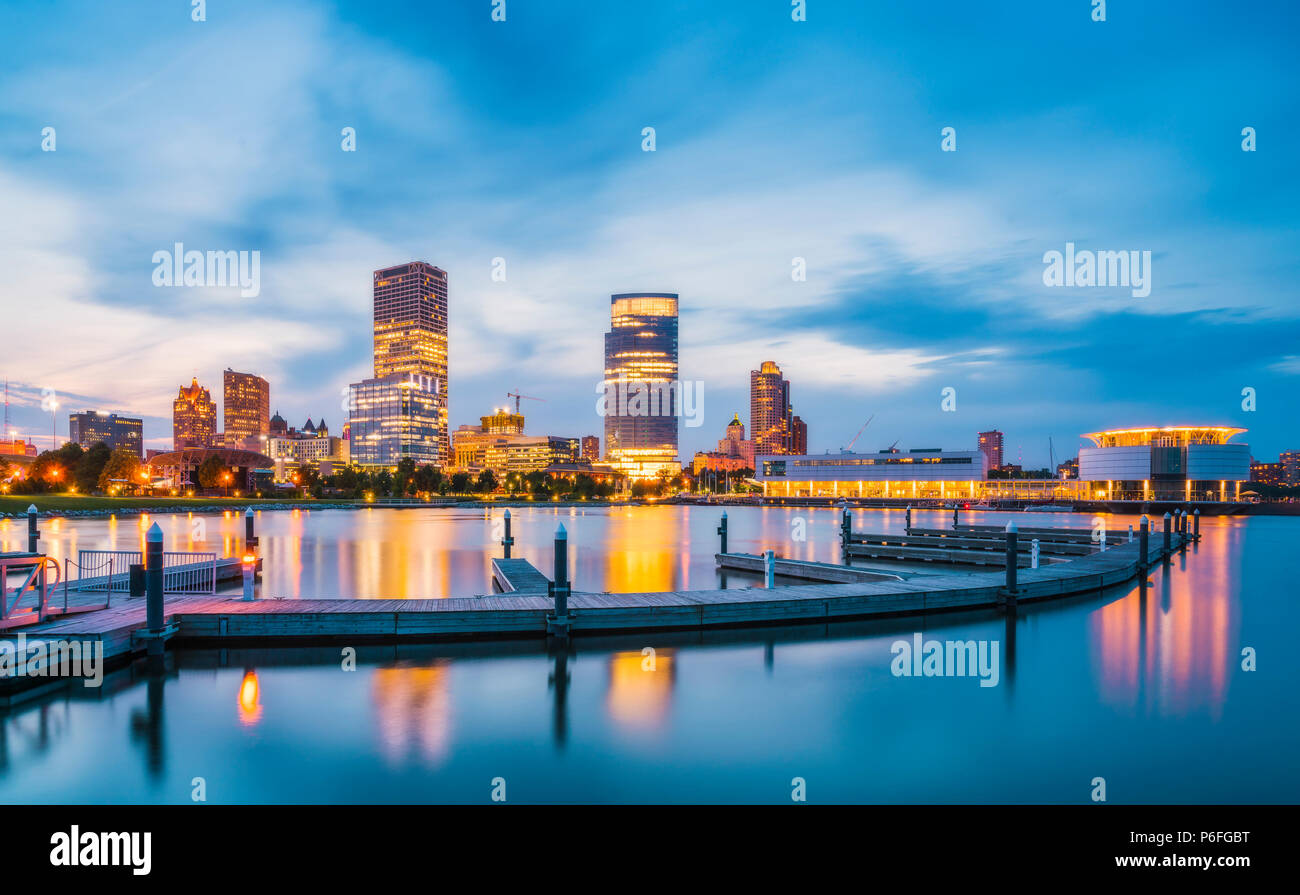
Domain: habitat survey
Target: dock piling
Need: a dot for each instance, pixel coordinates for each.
(248, 565)
(769, 568)
(1196, 525)
(722, 532)
(250, 538)
(955, 519)
(1168, 544)
(1013, 557)
(1143, 545)
(153, 587)
(1033, 553)
(507, 541)
(1130, 533)
(559, 588)
(907, 520)
(33, 535)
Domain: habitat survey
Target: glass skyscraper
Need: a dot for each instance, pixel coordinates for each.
(402, 411)
(247, 410)
(641, 402)
(115, 431)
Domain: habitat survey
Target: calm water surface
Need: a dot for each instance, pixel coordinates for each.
(1143, 687)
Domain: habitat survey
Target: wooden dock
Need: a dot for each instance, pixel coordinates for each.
(523, 611)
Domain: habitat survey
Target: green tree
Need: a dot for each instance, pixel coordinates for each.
(210, 472)
(90, 465)
(404, 480)
(487, 481)
(122, 463)
(460, 483)
(428, 478)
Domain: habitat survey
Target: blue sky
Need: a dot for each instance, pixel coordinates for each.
(774, 140)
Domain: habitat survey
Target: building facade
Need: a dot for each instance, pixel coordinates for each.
(410, 339)
(640, 402)
(1290, 461)
(918, 474)
(89, 427)
(1166, 463)
(194, 418)
(246, 409)
(773, 425)
(735, 445)
(990, 443)
(396, 417)
(591, 447)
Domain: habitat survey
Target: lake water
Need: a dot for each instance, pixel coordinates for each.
(1141, 686)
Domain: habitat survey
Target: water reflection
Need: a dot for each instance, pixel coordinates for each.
(412, 706)
(640, 687)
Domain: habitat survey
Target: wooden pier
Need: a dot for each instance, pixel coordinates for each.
(524, 609)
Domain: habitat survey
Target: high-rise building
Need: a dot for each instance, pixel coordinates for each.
(771, 419)
(115, 431)
(410, 330)
(1290, 462)
(194, 418)
(591, 447)
(247, 410)
(394, 418)
(991, 446)
(641, 402)
(798, 434)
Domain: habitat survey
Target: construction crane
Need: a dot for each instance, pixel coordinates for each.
(859, 435)
(517, 396)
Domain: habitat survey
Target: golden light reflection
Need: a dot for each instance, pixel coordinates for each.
(641, 687)
(1171, 655)
(250, 706)
(413, 709)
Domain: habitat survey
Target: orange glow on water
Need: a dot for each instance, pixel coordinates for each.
(250, 706)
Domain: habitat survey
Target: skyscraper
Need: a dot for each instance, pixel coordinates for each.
(641, 401)
(194, 418)
(591, 447)
(770, 419)
(410, 330)
(991, 447)
(247, 410)
(394, 418)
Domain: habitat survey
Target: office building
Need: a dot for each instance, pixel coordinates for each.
(194, 418)
(410, 338)
(735, 445)
(641, 400)
(90, 427)
(591, 447)
(773, 425)
(247, 410)
(1290, 461)
(396, 417)
(990, 444)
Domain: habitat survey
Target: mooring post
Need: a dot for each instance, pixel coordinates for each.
(907, 520)
(846, 532)
(954, 517)
(1013, 557)
(1130, 533)
(722, 531)
(33, 536)
(1168, 549)
(153, 586)
(1144, 534)
(1196, 524)
(1033, 553)
(559, 588)
(1103, 539)
(250, 539)
(769, 569)
(508, 541)
(248, 565)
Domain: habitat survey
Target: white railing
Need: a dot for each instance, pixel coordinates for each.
(109, 571)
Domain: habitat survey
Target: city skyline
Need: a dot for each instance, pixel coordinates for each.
(894, 233)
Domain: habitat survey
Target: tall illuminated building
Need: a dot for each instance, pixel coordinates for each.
(194, 418)
(247, 410)
(770, 417)
(410, 330)
(990, 444)
(641, 400)
(394, 418)
(115, 431)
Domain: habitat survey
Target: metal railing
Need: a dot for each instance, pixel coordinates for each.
(28, 601)
(109, 571)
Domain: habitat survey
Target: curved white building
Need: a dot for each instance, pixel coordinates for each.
(1167, 463)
